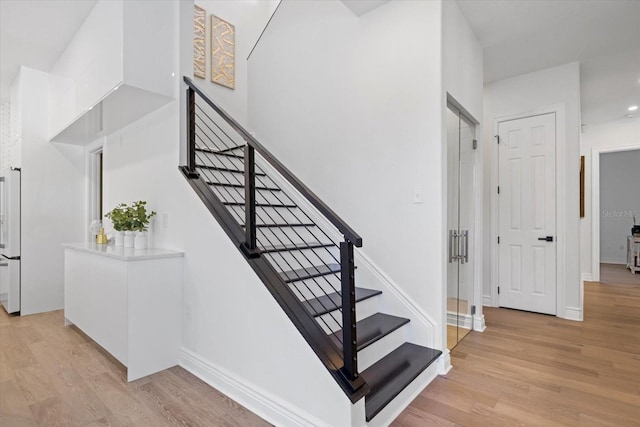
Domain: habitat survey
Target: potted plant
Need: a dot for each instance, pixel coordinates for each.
(121, 221)
(140, 222)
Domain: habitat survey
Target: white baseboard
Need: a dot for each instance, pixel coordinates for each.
(271, 408)
(478, 323)
(573, 313)
(587, 277)
(613, 261)
(455, 319)
(444, 363)
(487, 301)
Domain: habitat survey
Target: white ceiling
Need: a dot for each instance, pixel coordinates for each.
(34, 33)
(522, 36)
(518, 36)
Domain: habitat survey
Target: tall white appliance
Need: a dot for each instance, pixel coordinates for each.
(10, 239)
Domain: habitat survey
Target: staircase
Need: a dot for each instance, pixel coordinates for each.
(308, 268)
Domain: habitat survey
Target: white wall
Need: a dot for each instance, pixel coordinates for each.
(249, 17)
(462, 69)
(234, 332)
(52, 197)
(353, 106)
(522, 95)
(5, 134)
(623, 133)
(619, 202)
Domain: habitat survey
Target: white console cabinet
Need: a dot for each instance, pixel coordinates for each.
(128, 301)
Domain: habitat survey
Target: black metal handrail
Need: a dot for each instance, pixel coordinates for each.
(268, 266)
(325, 210)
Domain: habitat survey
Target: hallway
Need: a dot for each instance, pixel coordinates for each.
(538, 370)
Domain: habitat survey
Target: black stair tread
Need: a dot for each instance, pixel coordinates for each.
(224, 169)
(333, 301)
(227, 184)
(391, 374)
(263, 205)
(220, 153)
(372, 328)
(310, 272)
(295, 246)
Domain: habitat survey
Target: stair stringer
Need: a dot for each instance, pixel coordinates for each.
(284, 382)
(422, 328)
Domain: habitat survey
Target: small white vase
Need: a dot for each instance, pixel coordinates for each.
(141, 240)
(129, 239)
(118, 237)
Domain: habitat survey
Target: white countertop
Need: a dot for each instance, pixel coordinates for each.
(121, 253)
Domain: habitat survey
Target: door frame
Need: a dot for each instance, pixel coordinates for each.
(595, 203)
(561, 203)
(478, 319)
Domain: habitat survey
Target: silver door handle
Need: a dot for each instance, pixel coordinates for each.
(465, 256)
(453, 246)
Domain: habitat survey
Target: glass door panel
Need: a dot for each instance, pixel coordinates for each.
(460, 220)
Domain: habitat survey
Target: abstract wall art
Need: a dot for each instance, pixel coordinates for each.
(199, 38)
(222, 52)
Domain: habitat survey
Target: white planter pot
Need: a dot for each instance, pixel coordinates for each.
(118, 237)
(141, 240)
(129, 239)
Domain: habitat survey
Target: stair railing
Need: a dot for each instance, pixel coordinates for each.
(249, 246)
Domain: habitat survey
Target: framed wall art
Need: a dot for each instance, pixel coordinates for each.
(199, 39)
(222, 52)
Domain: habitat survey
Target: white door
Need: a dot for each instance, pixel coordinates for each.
(527, 213)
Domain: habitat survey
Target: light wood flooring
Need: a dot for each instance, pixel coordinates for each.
(525, 369)
(52, 375)
(530, 369)
(617, 273)
(454, 335)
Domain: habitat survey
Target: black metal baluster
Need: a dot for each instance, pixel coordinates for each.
(191, 133)
(349, 340)
(249, 247)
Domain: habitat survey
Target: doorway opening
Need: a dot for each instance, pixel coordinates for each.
(619, 213)
(614, 203)
(95, 190)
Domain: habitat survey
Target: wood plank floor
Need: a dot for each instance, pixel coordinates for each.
(525, 369)
(52, 375)
(530, 369)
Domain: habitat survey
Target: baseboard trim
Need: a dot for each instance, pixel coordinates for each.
(444, 363)
(487, 301)
(262, 403)
(479, 324)
(587, 277)
(613, 261)
(463, 320)
(573, 313)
